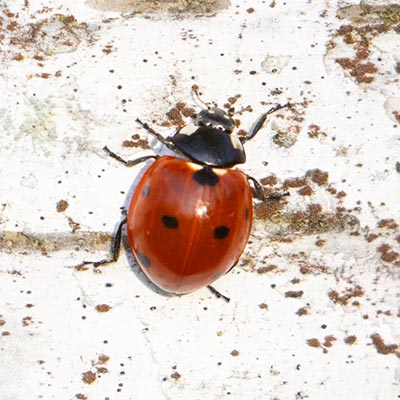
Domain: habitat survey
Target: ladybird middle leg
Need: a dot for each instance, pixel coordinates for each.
(116, 246)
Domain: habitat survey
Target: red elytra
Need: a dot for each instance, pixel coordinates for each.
(188, 224)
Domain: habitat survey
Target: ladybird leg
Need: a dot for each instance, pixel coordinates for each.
(277, 196)
(260, 122)
(218, 294)
(259, 191)
(165, 141)
(127, 163)
(116, 247)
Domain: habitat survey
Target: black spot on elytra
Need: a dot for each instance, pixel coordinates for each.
(221, 232)
(170, 222)
(146, 191)
(206, 176)
(143, 260)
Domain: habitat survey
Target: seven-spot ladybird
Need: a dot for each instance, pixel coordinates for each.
(190, 217)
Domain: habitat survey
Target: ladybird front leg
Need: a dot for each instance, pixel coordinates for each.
(128, 163)
(165, 141)
(260, 122)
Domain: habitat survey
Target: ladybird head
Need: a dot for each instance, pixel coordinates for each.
(217, 119)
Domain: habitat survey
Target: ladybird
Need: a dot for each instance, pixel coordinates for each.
(190, 216)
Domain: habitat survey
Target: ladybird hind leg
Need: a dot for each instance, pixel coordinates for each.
(115, 249)
(217, 294)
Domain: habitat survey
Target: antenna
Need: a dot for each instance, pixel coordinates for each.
(195, 90)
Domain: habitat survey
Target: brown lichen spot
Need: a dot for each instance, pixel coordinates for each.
(27, 321)
(107, 49)
(387, 224)
(302, 311)
(18, 57)
(381, 312)
(188, 112)
(80, 396)
(320, 243)
(102, 308)
(88, 377)
(268, 208)
(381, 347)
(2, 322)
(294, 294)
(294, 183)
(371, 237)
(312, 269)
(314, 132)
(62, 205)
(176, 375)
(175, 117)
(341, 194)
(74, 225)
(136, 142)
(367, 22)
(387, 254)
(101, 370)
(383, 248)
(317, 176)
(396, 115)
(314, 342)
(390, 256)
(270, 180)
(263, 306)
(5, 333)
(234, 353)
(103, 358)
(266, 269)
(350, 340)
(346, 295)
(328, 340)
(305, 191)
(361, 71)
(397, 166)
